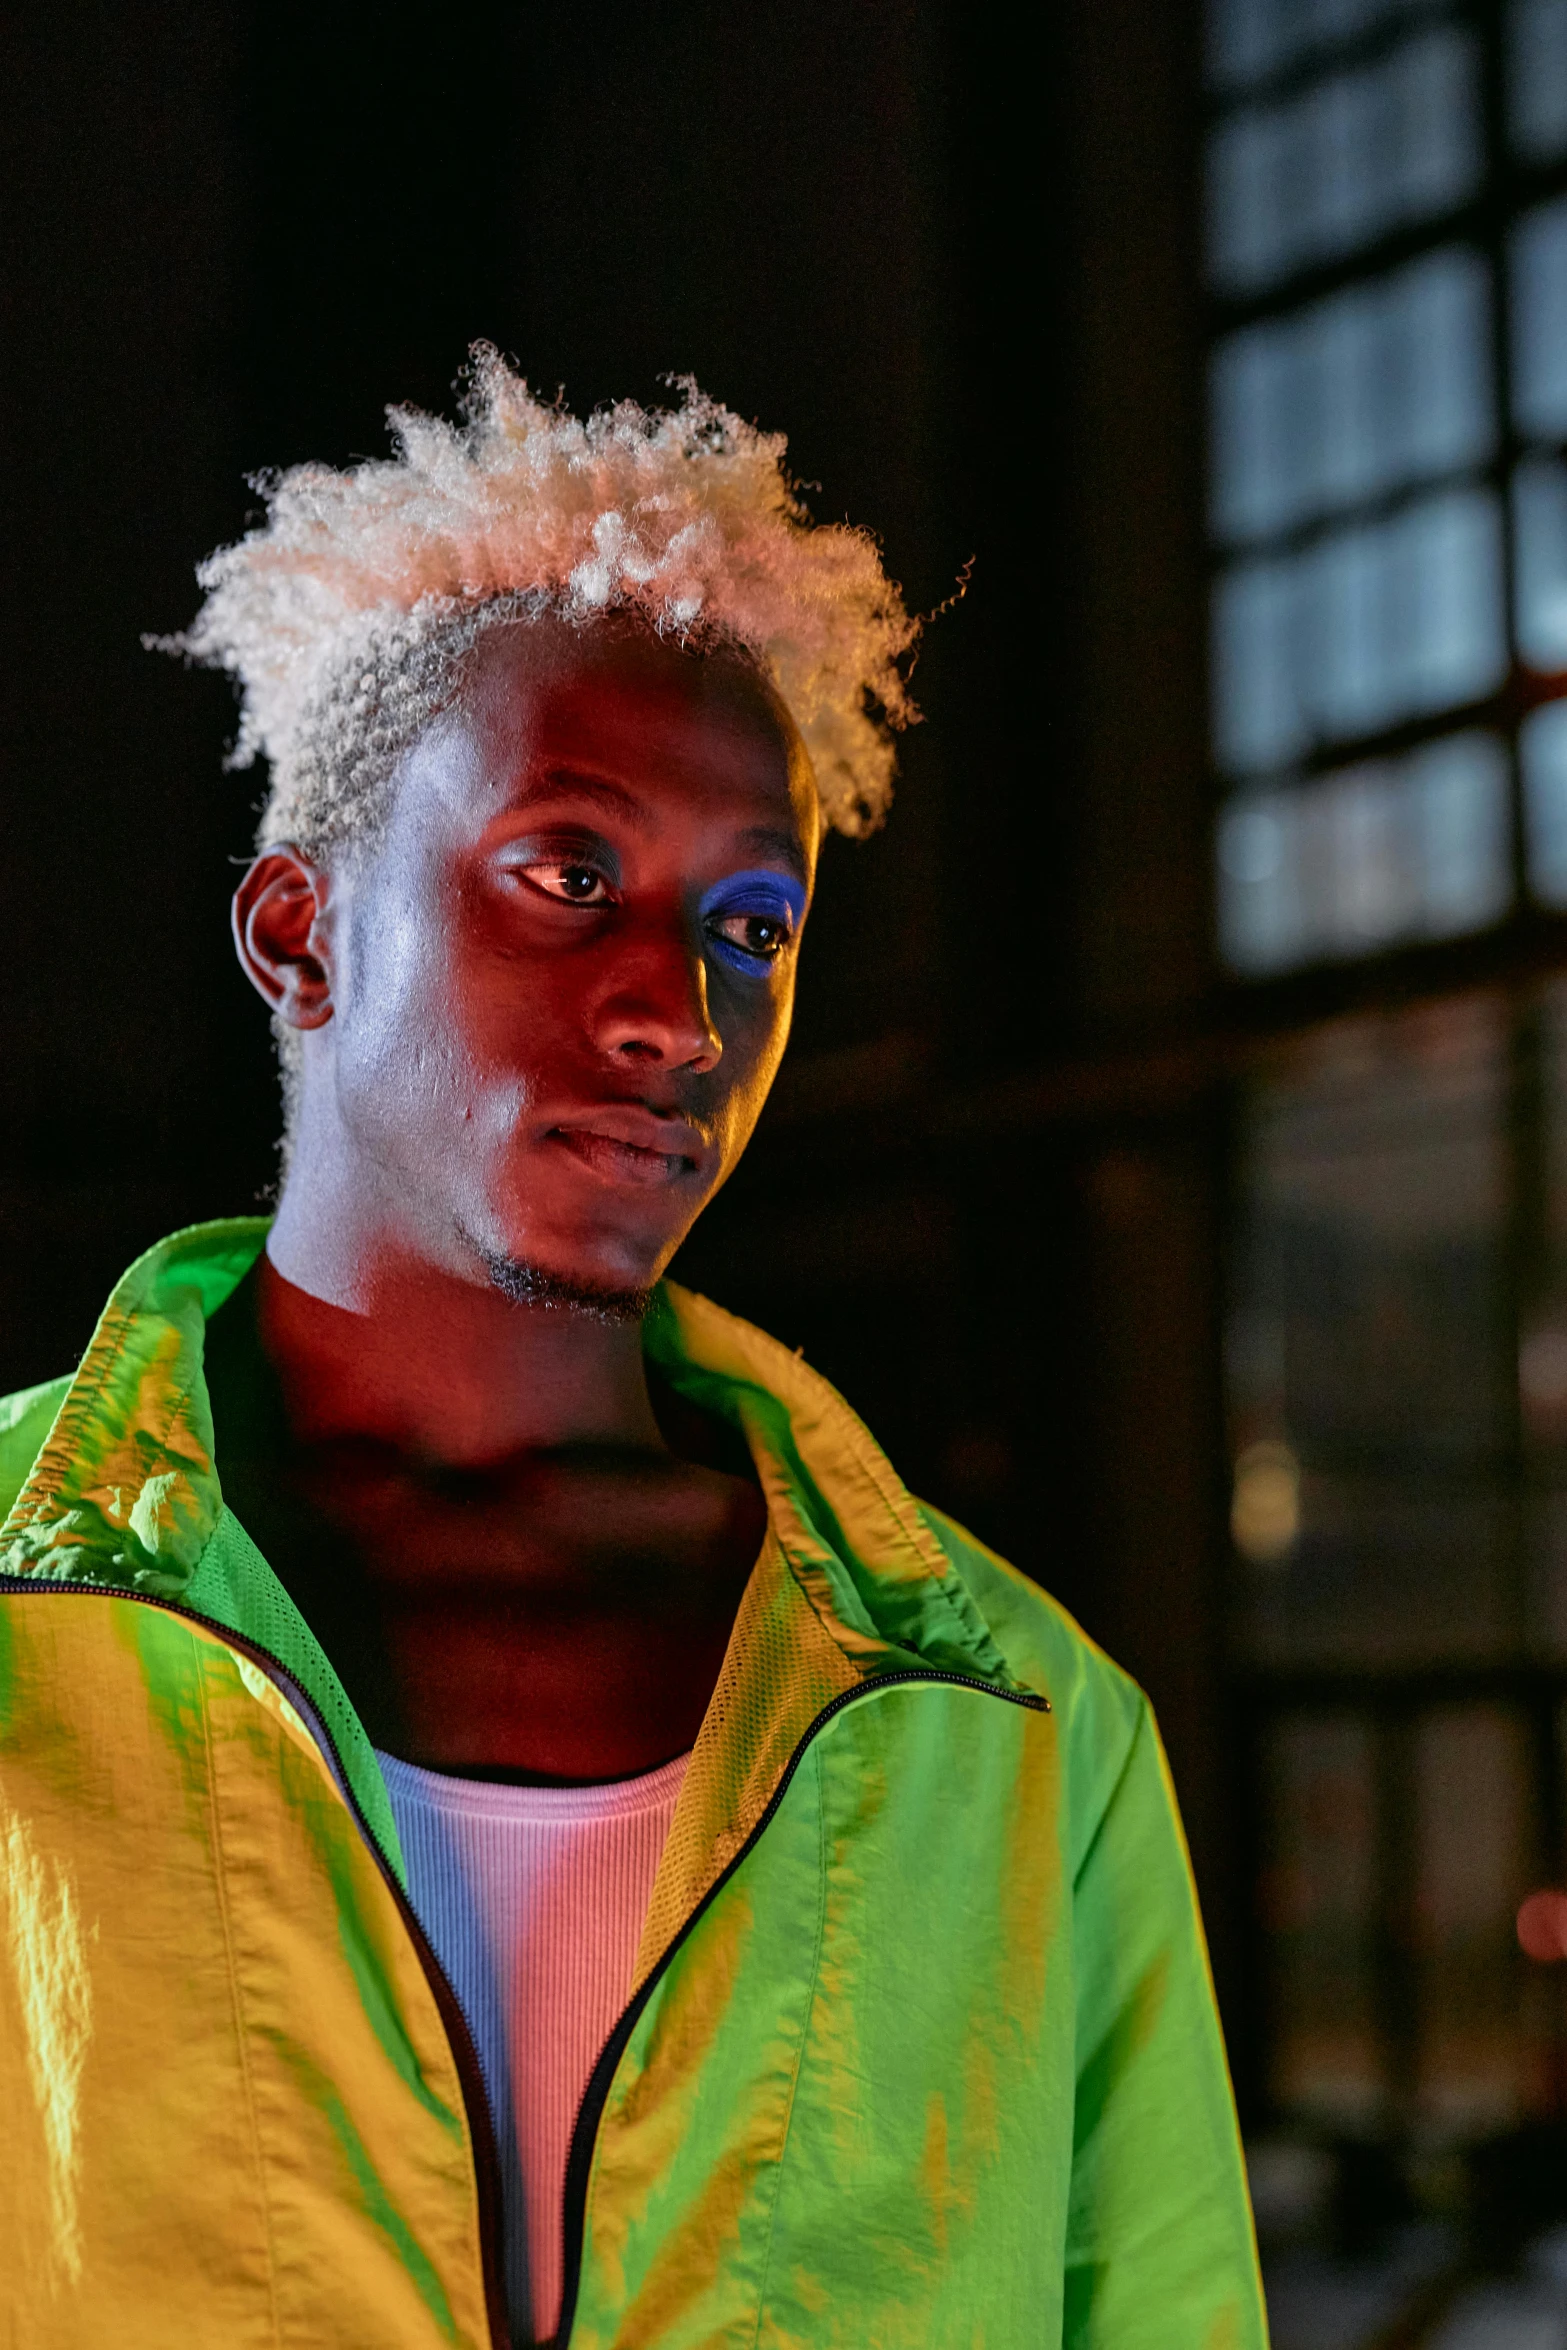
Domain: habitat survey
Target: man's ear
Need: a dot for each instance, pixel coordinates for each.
(279, 936)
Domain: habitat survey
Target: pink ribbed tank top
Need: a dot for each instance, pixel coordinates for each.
(534, 1900)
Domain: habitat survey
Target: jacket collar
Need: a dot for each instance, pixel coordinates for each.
(126, 1494)
(850, 1530)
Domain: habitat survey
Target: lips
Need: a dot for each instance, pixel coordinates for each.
(625, 1143)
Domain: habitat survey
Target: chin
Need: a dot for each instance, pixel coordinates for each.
(585, 1272)
(528, 1284)
(580, 1240)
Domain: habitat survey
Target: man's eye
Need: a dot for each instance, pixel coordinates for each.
(762, 935)
(577, 884)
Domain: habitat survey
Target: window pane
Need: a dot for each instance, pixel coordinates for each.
(1539, 261)
(1260, 463)
(1433, 384)
(1409, 848)
(1250, 238)
(1366, 1344)
(1403, 616)
(1542, 752)
(1347, 160)
(1245, 40)
(1357, 617)
(1249, 39)
(1460, 788)
(1374, 623)
(1258, 716)
(1319, 1905)
(1432, 119)
(1347, 168)
(1373, 388)
(1264, 924)
(1540, 555)
(1537, 77)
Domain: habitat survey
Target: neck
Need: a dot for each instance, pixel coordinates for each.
(372, 1340)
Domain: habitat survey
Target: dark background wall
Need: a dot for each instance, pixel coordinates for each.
(961, 275)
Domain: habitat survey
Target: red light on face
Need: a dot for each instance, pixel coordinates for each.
(1542, 1926)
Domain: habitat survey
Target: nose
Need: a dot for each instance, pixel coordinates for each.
(655, 1010)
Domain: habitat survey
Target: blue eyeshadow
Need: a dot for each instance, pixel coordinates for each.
(777, 896)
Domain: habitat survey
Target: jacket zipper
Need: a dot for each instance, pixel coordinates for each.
(579, 2161)
(476, 2101)
(481, 2125)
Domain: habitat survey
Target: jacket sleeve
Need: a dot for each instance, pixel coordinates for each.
(1160, 2252)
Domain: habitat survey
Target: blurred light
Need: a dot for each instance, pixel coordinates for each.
(1291, 2186)
(1542, 1926)
(1265, 1510)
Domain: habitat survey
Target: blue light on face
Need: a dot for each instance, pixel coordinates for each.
(765, 895)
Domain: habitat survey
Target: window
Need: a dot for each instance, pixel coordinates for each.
(1387, 380)
(1387, 254)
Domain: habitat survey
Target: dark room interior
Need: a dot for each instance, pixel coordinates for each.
(1170, 1164)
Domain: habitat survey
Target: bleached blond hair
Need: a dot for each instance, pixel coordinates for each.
(345, 616)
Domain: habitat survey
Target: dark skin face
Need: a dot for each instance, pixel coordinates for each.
(539, 1021)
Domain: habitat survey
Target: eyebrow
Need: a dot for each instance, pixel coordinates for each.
(573, 783)
(560, 783)
(770, 841)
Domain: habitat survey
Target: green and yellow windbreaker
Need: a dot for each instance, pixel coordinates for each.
(921, 2052)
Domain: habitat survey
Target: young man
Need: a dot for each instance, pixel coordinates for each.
(514, 1825)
